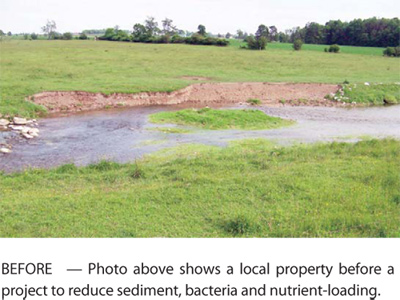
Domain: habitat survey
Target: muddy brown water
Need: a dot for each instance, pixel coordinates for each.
(123, 135)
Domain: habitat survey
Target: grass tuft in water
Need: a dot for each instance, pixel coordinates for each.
(207, 118)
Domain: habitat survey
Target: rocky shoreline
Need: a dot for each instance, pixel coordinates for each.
(24, 127)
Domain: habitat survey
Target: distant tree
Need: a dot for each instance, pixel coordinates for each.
(283, 37)
(296, 33)
(94, 31)
(314, 34)
(26, 36)
(83, 36)
(334, 31)
(262, 31)
(109, 33)
(140, 33)
(34, 36)
(151, 26)
(273, 33)
(168, 27)
(1, 33)
(239, 34)
(228, 35)
(49, 29)
(9, 33)
(201, 29)
(67, 36)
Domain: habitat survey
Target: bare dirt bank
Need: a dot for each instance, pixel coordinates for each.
(207, 93)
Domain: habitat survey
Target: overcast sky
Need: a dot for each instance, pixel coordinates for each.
(219, 16)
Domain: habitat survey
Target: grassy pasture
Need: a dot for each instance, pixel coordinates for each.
(252, 188)
(374, 51)
(29, 67)
(207, 118)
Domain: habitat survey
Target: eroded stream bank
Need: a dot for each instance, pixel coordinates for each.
(123, 135)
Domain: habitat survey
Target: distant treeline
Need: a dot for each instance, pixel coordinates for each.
(149, 32)
(371, 32)
(94, 31)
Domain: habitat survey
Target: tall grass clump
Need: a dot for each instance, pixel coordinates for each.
(208, 118)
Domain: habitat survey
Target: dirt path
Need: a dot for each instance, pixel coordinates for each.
(296, 94)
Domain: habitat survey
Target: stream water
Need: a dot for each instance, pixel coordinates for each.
(123, 135)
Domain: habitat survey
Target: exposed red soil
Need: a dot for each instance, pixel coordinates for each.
(207, 93)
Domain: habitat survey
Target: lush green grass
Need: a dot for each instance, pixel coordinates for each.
(29, 67)
(369, 93)
(251, 188)
(374, 51)
(207, 118)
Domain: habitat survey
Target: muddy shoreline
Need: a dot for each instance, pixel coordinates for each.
(271, 94)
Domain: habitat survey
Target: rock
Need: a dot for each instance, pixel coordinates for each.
(33, 130)
(4, 122)
(19, 121)
(17, 128)
(34, 134)
(25, 129)
(27, 136)
(5, 150)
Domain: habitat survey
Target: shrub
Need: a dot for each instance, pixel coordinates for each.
(262, 43)
(256, 44)
(196, 39)
(297, 44)
(164, 39)
(397, 51)
(67, 36)
(254, 101)
(177, 39)
(334, 48)
(34, 36)
(326, 49)
(209, 41)
(83, 36)
(389, 99)
(392, 51)
(239, 225)
(389, 51)
(136, 172)
(222, 42)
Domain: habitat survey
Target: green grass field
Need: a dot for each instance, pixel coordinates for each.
(374, 51)
(29, 67)
(252, 188)
(207, 118)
